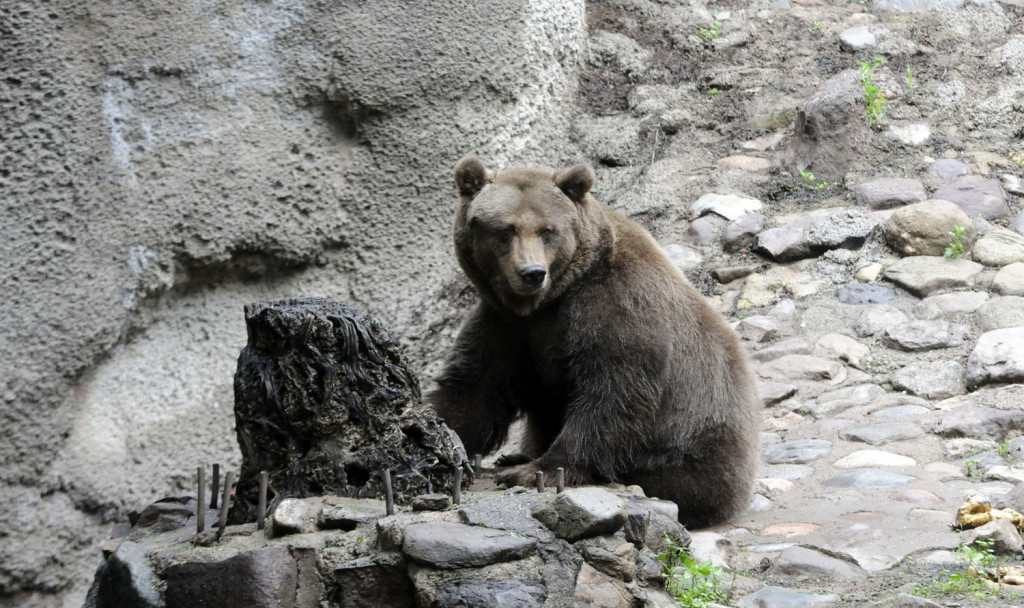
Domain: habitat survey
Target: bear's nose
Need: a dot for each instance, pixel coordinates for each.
(533, 275)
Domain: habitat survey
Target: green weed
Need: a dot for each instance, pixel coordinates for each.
(956, 246)
(910, 80)
(874, 98)
(691, 584)
(708, 34)
(812, 183)
(815, 27)
(972, 469)
(713, 92)
(1004, 450)
(965, 583)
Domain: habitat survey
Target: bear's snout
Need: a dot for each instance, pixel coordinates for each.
(533, 275)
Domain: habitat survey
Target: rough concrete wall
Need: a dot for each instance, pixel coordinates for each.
(164, 162)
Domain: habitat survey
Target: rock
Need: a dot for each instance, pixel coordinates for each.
(998, 356)
(595, 589)
(742, 233)
(905, 600)
(764, 288)
(744, 163)
(347, 513)
(800, 451)
(948, 168)
(900, 411)
(830, 135)
(873, 458)
(610, 555)
(958, 302)
(793, 346)
(757, 329)
(431, 502)
(1009, 281)
(877, 319)
(925, 335)
(292, 516)
(612, 49)
(512, 593)
(684, 258)
(965, 446)
(611, 140)
(713, 547)
(266, 578)
(869, 273)
(867, 479)
(730, 206)
(816, 232)
(774, 392)
(976, 422)
(862, 293)
(856, 38)
(787, 471)
(976, 195)
(921, 275)
(582, 512)
(999, 248)
(126, 579)
(707, 230)
(803, 367)
(889, 192)
(923, 228)
(845, 348)
(1006, 539)
(1013, 185)
(165, 515)
(449, 545)
(770, 596)
(1001, 312)
(803, 563)
(638, 520)
(931, 379)
(878, 434)
(916, 496)
(787, 530)
(663, 525)
(732, 273)
(842, 399)
(911, 134)
(369, 409)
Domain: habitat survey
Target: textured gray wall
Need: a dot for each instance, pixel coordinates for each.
(164, 162)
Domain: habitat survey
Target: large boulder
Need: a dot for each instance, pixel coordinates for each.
(816, 233)
(325, 402)
(831, 134)
(976, 195)
(923, 228)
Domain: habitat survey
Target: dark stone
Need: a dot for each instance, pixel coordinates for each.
(638, 519)
(732, 273)
(978, 422)
(661, 526)
(265, 578)
(448, 545)
(325, 402)
(164, 515)
(381, 582)
(867, 478)
(431, 502)
(976, 195)
(125, 580)
(948, 168)
(863, 293)
(491, 594)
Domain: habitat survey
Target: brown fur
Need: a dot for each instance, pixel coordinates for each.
(622, 370)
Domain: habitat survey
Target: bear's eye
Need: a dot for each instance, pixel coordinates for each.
(548, 231)
(507, 232)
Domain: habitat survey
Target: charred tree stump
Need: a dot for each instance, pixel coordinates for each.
(324, 401)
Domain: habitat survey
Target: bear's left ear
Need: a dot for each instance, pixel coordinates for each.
(471, 176)
(575, 182)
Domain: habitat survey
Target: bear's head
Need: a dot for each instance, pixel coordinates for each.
(523, 235)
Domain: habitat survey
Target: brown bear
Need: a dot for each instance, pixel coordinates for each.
(623, 372)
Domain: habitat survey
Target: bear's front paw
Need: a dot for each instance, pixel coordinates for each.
(521, 475)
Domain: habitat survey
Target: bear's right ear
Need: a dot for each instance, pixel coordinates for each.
(471, 176)
(575, 182)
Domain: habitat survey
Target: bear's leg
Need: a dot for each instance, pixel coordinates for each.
(476, 393)
(710, 487)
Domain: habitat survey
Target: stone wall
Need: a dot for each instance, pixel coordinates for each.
(164, 163)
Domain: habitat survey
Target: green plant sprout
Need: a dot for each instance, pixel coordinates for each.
(691, 584)
(1004, 450)
(966, 582)
(812, 183)
(910, 80)
(714, 92)
(874, 98)
(956, 246)
(972, 469)
(711, 33)
(815, 27)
